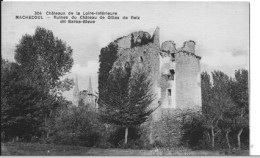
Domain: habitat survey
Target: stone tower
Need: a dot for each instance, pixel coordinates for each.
(180, 77)
(76, 96)
(180, 87)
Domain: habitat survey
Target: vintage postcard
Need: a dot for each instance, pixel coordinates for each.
(125, 78)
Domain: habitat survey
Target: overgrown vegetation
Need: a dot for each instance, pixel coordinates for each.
(77, 126)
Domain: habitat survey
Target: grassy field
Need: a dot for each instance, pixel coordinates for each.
(63, 150)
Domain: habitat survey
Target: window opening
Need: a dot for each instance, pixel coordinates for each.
(169, 92)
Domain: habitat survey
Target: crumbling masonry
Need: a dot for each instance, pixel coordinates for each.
(175, 72)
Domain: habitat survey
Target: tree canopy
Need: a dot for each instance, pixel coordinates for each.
(31, 86)
(44, 59)
(225, 104)
(127, 97)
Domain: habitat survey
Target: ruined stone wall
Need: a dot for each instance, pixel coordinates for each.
(144, 51)
(134, 39)
(167, 84)
(109, 55)
(147, 57)
(167, 81)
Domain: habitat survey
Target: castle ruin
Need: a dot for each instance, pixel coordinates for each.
(175, 72)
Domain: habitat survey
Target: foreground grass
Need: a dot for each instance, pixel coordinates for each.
(64, 150)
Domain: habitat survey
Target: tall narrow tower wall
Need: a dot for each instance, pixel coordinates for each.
(188, 86)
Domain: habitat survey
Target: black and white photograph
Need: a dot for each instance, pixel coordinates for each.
(118, 78)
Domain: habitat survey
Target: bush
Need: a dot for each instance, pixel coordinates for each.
(77, 126)
(193, 131)
(167, 131)
(117, 136)
(113, 137)
(180, 128)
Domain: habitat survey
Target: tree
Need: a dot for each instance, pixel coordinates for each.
(239, 94)
(126, 98)
(107, 57)
(33, 84)
(44, 59)
(216, 101)
(227, 123)
(225, 106)
(192, 128)
(19, 103)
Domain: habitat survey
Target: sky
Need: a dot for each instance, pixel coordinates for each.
(220, 30)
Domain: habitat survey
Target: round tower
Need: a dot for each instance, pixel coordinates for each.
(188, 86)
